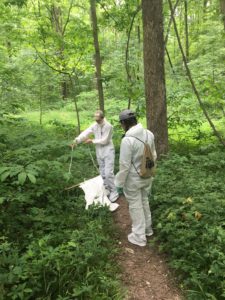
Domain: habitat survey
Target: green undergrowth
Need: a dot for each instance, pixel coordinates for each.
(50, 246)
(188, 206)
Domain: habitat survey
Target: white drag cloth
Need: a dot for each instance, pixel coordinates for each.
(95, 193)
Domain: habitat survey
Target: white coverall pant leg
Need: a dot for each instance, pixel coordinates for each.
(147, 212)
(136, 191)
(106, 168)
(101, 164)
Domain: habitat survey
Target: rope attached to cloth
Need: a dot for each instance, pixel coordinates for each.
(71, 160)
(92, 158)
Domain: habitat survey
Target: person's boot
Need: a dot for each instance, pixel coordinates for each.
(149, 232)
(113, 196)
(136, 240)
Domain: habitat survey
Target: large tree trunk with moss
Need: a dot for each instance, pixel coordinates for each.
(97, 54)
(156, 111)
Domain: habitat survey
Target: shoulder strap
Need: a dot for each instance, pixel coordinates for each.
(132, 160)
(136, 138)
(140, 139)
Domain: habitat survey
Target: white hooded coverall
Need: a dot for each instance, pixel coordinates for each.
(136, 189)
(105, 151)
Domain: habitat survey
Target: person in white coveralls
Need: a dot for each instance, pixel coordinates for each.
(105, 152)
(128, 180)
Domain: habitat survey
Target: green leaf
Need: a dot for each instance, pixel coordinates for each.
(16, 170)
(27, 290)
(22, 177)
(72, 244)
(4, 176)
(2, 199)
(3, 169)
(32, 178)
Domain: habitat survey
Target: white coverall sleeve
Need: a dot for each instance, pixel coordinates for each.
(106, 138)
(125, 163)
(84, 135)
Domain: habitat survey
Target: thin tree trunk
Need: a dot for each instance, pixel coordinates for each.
(9, 49)
(222, 8)
(205, 2)
(139, 50)
(155, 91)
(75, 103)
(127, 66)
(40, 107)
(59, 27)
(72, 85)
(223, 111)
(216, 133)
(186, 28)
(170, 23)
(170, 61)
(64, 87)
(40, 98)
(97, 54)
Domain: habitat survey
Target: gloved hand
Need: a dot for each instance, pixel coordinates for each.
(74, 144)
(119, 190)
(89, 141)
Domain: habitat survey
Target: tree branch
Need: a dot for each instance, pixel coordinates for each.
(169, 59)
(170, 22)
(127, 49)
(128, 41)
(68, 17)
(75, 103)
(108, 14)
(49, 65)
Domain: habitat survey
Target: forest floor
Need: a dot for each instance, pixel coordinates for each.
(145, 273)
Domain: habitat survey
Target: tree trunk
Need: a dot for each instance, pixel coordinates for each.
(139, 44)
(222, 8)
(40, 106)
(139, 47)
(127, 65)
(57, 25)
(186, 28)
(155, 92)
(205, 2)
(188, 71)
(64, 87)
(97, 54)
(75, 104)
(170, 22)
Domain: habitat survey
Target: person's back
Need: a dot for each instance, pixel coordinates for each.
(136, 189)
(137, 136)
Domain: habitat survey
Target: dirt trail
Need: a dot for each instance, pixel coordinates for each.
(145, 274)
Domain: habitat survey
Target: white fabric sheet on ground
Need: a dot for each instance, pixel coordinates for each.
(95, 193)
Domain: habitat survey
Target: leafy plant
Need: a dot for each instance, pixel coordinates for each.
(188, 209)
(50, 247)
